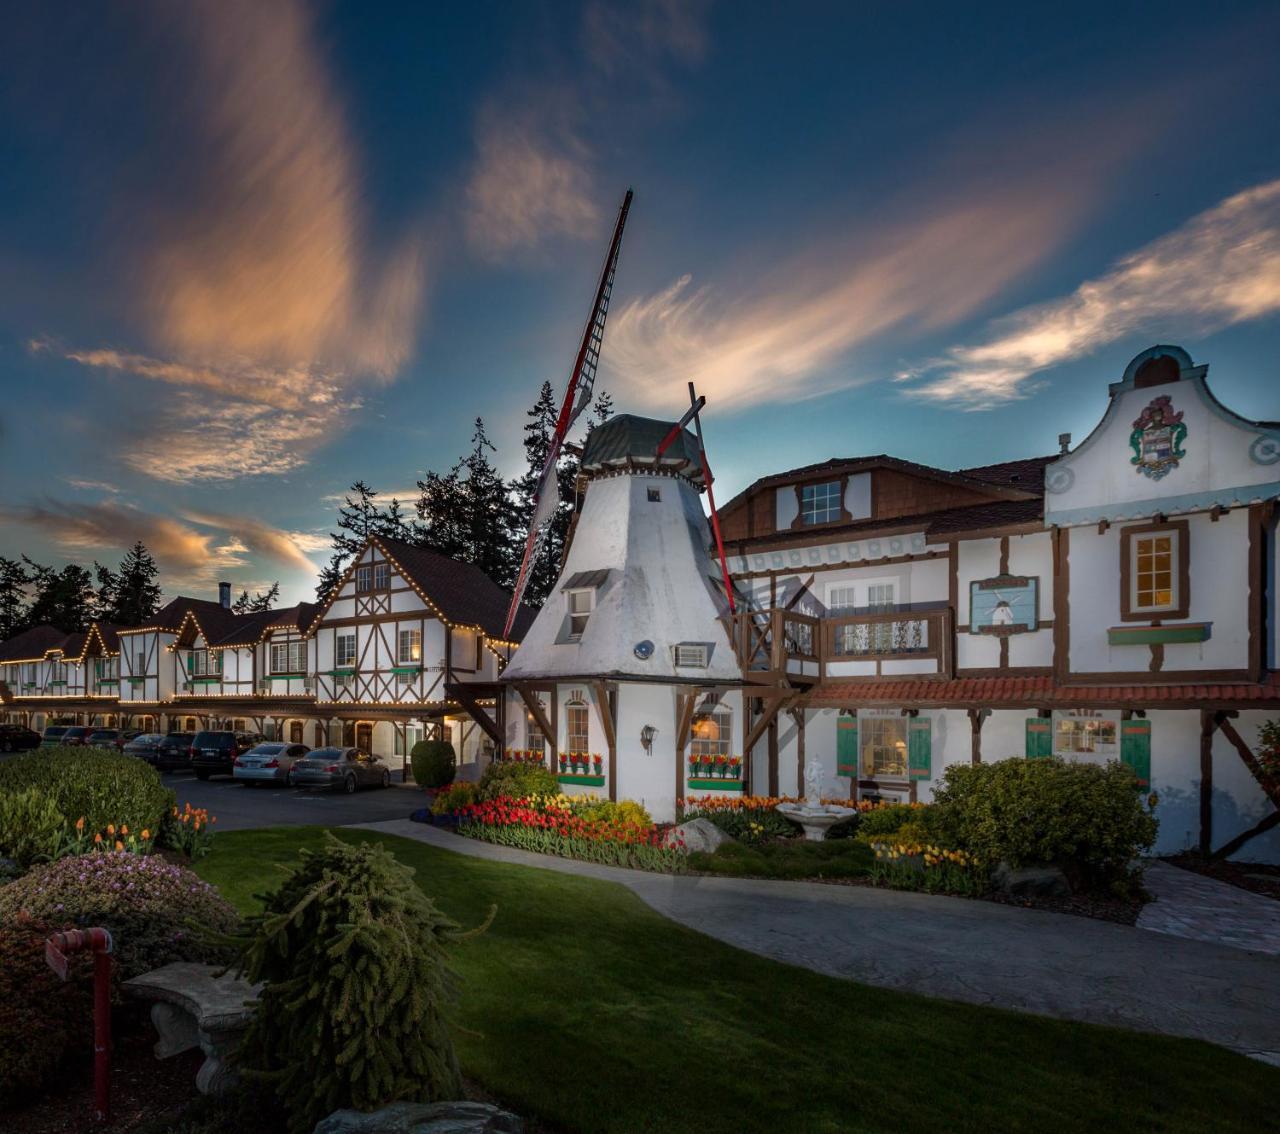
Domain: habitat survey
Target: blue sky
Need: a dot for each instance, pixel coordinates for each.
(250, 252)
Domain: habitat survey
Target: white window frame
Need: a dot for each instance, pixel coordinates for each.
(579, 617)
(411, 637)
(841, 596)
(340, 639)
(364, 578)
(288, 657)
(381, 575)
(821, 503)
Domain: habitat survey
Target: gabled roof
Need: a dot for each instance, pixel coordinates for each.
(33, 644)
(460, 592)
(249, 629)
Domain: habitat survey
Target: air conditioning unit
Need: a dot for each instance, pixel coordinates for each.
(308, 684)
(691, 655)
(264, 687)
(188, 686)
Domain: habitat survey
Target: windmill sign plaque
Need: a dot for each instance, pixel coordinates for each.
(1005, 604)
(1156, 440)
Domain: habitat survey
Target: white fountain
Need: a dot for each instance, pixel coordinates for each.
(814, 816)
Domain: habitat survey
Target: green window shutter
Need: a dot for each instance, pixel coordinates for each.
(847, 745)
(1039, 738)
(920, 748)
(1135, 749)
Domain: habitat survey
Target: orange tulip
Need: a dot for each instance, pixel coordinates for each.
(97, 839)
(80, 824)
(124, 830)
(119, 845)
(145, 834)
(111, 828)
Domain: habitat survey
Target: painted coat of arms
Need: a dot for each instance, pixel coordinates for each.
(1157, 439)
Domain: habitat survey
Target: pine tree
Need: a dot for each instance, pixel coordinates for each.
(62, 598)
(486, 522)
(353, 1013)
(359, 517)
(104, 598)
(261, 602)
(13, 598)
(441, 506)
(538, 431)
(134, 592)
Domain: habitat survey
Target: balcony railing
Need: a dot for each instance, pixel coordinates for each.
(772, 643)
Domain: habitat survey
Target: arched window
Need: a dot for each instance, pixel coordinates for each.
(711, 733)
(577, 726)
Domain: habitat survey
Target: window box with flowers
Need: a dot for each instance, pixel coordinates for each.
(582, 769)
(524, 756)
(719, 772)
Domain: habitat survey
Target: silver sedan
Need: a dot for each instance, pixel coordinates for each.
(345, 768)
(267, 763)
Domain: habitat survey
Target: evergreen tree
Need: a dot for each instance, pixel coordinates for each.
(134, 594)
(602, 410)
(62, 598)
(13, 598)
(261, 602)
(538, 431)
(360, 517)
(441, 509)
(104, 598)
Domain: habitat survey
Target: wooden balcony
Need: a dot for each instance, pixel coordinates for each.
(782, 646)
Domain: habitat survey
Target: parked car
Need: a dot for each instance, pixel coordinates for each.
(103, 738)
(18, 738)
(214, 753)
(268, 763)
(175, 752)
(144, 746)
(53, 736)
(345, 768)
(76, 736)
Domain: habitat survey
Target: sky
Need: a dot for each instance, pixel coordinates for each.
(251, 252)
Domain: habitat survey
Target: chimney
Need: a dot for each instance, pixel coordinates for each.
(1064, 442)
(224, 595)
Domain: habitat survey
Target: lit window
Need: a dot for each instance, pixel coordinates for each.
(344, 649)
(711, 733)
(884, 745)
(577, 727)
(364, 578)
(581, 603)
(1153, 577)
(410, 646)
(1089, 734)
(820, 503)
(381, 576)
(532, 733)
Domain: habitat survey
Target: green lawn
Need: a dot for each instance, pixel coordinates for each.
(584, 1008)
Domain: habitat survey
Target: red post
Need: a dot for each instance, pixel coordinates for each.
(56, 949)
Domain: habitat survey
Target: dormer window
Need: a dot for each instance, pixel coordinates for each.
(820, 503)
(364, 578)
(381, 576)
(581, 603)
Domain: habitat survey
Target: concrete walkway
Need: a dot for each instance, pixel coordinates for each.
(1074, 968)
(1188, 904)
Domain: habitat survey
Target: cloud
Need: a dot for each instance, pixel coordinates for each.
(199, 547)
(782, 344)
(616, 36)
(1221, 267)
(260, 286)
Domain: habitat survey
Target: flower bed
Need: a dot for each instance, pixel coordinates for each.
(571, 829)
(933, 869)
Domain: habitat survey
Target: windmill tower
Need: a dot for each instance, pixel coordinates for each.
(630, 658)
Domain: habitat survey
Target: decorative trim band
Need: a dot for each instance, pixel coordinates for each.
(1166, 505)
(1159, 635)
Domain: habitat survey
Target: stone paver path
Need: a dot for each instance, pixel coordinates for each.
(1188, 904)
(1074, 968)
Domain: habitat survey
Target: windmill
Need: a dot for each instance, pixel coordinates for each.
(577, 397)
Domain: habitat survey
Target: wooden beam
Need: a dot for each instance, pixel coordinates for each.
(773, 758)
(535, 708)
(776, 701)
(607, 717)
(1209, 722)
(684, 722)
(798, 716)
(1250, 760)
(976, 717)
(1230, 848)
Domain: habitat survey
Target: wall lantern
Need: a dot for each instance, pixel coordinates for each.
(646, 738)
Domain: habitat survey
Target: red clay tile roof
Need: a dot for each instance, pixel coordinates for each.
(1041, 692)
(463, 592)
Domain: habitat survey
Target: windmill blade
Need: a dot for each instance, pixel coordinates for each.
(577, 397)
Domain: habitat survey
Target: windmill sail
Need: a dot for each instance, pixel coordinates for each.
(577, 397)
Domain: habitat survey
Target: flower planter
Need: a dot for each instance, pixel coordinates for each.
(581, 779)
(714, 783)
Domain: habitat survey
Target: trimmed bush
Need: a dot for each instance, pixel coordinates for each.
(886, 819)
(93, 784)
(434, 764)
(516, 781)
(627, 811)
(157, 912)
(353, 955)
(1089, 820)
(40, 1015)
(31, 826)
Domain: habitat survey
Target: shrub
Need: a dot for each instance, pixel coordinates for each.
(93, 784)
(455, 798)
(434, 764)
(353, 954)
(747, 826)
(157, 912)
(606, 811)
(31, 826)
(886, 819)
(1087, 819)
(40, 1015)
(518, 781)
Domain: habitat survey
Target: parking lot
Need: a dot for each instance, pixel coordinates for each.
(238, 808)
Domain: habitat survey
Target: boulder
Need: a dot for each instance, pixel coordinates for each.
(424, 1118)
(698, 835)
(1031, 881)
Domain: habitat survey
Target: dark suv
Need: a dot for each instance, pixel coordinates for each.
(174, 751)
(14, 737)
(214, 753)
